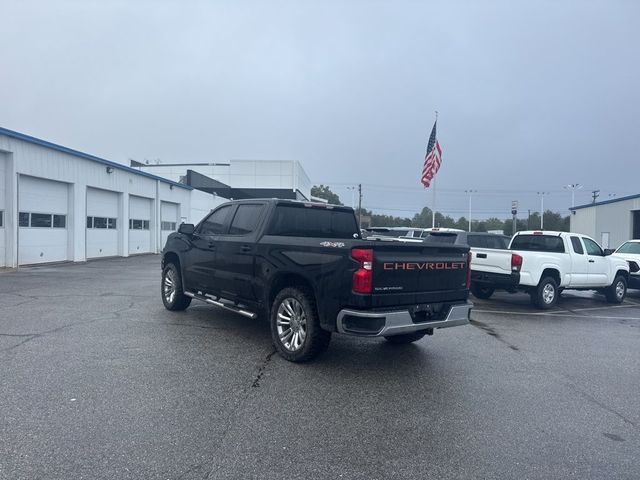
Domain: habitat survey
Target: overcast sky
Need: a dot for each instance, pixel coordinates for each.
(529, 97)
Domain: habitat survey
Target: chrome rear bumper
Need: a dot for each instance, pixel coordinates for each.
(397, 322)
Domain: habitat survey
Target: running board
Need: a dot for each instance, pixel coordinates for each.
(210, 299)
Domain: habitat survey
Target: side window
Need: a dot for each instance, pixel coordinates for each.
(245, 219)
(592, 247)
(577, 245)
(215, 223)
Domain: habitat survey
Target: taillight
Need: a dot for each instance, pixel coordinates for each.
(363, 277)
(469, 257)
(516, 262)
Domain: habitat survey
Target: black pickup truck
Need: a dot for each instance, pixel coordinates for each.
(306, 268)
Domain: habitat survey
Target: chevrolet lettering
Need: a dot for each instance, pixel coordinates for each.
(424, 265)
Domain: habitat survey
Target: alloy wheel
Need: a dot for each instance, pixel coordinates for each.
(291, 324)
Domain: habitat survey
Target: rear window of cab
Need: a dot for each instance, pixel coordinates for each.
(538, 243)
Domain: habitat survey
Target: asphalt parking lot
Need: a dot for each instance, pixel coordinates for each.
(100, 381)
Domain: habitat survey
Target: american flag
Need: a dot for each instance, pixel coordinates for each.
(432, 159)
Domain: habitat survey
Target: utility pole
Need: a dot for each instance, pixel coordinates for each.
(514, 212)
(595, 194)
(528, 219)
(360, 205)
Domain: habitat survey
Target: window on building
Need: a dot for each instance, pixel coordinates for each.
(23, 219)
(216, 223)
(1, 219)
(59, 221)
(245, 219)
(101, 222)
(168, 226)
(145, 224)
(40, 220)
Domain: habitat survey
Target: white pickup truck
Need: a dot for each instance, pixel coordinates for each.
(544, 263)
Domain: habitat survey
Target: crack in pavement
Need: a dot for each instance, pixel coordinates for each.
(261, 369)
(233, 415)
(32, 336)
(565, 380)
(489, 330)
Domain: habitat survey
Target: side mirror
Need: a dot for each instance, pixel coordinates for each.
(186, 228)
(608, 251)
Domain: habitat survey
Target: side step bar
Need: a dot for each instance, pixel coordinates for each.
(210, 299)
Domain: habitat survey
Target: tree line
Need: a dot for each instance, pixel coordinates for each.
(552, 220)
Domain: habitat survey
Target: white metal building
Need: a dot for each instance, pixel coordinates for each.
(58, 204)
(241, 174)
(611, 222)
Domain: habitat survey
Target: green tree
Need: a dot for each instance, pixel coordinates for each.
(521, 225)
(422, 219)
(325, 192)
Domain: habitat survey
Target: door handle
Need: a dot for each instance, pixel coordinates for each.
(592, 261)
(481, 255)
(245, 248)
(212, 245)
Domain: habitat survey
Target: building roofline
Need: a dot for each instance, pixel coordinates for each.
(606, 202)
(86, 156)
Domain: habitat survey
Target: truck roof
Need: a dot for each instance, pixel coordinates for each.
(542, 232)
(284, 201)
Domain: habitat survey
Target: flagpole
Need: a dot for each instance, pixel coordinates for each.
(433, 213)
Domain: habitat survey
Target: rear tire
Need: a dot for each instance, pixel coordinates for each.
(617, 291)
(405, 338)
(295, 326)
(481, 291)
(545, 294)
(171, 290)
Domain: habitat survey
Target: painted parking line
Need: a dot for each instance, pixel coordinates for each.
(558, 314)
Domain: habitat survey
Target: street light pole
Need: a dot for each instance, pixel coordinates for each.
(542, 194)
(573, 187)
(353, 196)
(470, 192)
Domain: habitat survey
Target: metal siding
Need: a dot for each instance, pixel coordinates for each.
(583, 221)
(616, 219)
(3, 209)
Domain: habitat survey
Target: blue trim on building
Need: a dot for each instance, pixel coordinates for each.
(86, 156)
(605, 202)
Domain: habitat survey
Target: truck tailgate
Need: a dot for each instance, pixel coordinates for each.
(491, 260)
(419, 268)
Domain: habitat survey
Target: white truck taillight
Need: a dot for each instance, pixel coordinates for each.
(363, 277)
(516, 262)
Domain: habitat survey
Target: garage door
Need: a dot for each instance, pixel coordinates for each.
(102, 223)
(169, 220)
(42, 219)
(139, 225)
